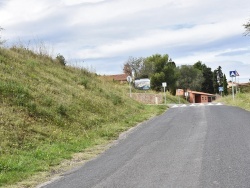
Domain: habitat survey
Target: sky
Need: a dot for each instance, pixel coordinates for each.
(101, 35)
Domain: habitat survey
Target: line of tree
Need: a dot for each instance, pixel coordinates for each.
(161, 68)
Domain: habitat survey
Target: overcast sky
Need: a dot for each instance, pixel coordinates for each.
(103, 34)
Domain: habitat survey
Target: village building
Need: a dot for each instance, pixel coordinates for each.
(195, 96)
(122, 78)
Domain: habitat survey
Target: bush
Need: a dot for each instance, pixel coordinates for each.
(62, 110)
(60, 59)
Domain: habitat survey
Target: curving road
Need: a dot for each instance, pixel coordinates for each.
(188, 146)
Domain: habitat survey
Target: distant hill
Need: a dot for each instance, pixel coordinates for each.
(49, 111)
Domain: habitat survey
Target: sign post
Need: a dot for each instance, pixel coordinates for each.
(232, 74)
(164, 85)
(129, 79)
(186, 95)
(236, 74)
(221, 89)
(179, 95)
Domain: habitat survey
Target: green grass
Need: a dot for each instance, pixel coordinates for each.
(241, 100)
(48, 112)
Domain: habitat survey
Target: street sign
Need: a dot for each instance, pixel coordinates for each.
(129, 79)
(232, 73)
(221, 89)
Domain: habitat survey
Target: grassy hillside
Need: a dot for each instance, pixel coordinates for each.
(49, 111)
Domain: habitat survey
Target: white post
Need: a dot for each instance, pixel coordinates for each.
(129, 79)
(164, 95)
(235, 83)
(130, 89)
(178, 91)
(156, 100)
(233, 88)
(164, 85)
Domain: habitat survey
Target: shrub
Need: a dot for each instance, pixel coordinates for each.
(60, 59)
(62, 110)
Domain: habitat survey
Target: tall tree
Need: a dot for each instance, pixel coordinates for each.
(156, 81)
(199, 65)
(189, 78)
(225, 85)
(159, 68)
(133, 64)
(207, 84)
(215, 82)
(147, 68)
(217, 79)
(163, 70)
(220, 76)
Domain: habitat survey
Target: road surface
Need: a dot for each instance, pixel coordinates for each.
(188, 146)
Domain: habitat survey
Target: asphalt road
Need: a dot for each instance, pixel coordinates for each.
(193, 146)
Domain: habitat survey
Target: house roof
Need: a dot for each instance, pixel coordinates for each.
(181, 92)
(118, 77)
(201, 93)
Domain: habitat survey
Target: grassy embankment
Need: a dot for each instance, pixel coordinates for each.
(48, 112)
(241, 99)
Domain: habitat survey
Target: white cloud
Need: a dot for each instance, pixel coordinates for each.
(112, 30)
(200, 34)
(16, 11)
(77, 2)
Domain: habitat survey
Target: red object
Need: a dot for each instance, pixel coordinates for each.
(237, 74)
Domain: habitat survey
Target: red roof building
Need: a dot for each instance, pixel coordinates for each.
(195, 96)
(122, 78)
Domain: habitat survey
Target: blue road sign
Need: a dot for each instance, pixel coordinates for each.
(232, 73)
(221, 89)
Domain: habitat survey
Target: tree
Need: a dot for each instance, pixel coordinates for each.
(147, 69)
(220, 76)
(133, 64)
(127, 69)
(215, 82)
(162, 69)
(198, 65)
(225, 85)
(189, 78)
(156, 81)
(247, 27)
(159, 68)
(207, 84)
(217, 79)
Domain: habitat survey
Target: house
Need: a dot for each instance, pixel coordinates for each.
(122, 78)
(195, 96)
